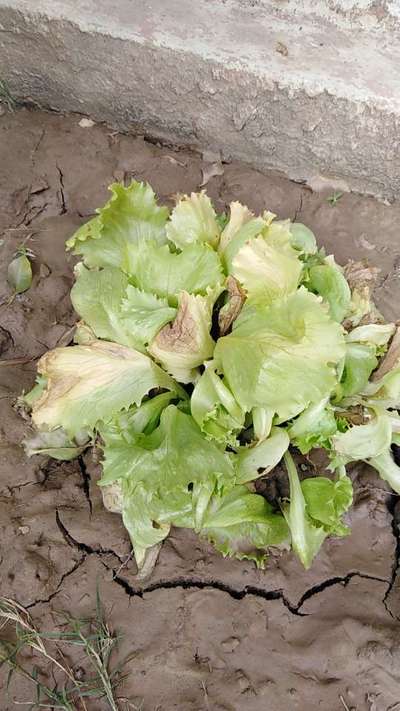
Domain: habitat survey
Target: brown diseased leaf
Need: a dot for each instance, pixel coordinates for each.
(391, 359)
(233, 307)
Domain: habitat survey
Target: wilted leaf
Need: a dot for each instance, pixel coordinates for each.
(19, 274)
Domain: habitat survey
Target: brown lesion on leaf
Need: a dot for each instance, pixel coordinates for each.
(180, 335)
(233, 307)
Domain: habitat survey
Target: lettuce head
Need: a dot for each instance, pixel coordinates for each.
(211, 350)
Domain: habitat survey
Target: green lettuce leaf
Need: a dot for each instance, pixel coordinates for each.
(237, 235)
(364, 441)
(243, 525)
(137, 419)
(268, 267)
(27, 400)
(376, 334)
(327, 501)
(262, 422)
(186, 343)
(387, 468)
(115, 310)
(302, 238)
(307, 536)
(384, 388)
(240, 215)
(86, 384)
(138, 520)
(163, 476)
(145, 314)
(328, 281)
(215, 409)
(129, 219)
(193, 220)
(164, 273)
(314, 427)
(174, 455)
(281, 357)
(259, 459)
(360, 360)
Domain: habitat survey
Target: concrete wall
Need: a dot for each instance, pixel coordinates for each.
(310, 88)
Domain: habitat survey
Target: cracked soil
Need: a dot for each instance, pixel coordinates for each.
(202, 632)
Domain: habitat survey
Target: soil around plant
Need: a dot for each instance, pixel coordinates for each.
(202, 632)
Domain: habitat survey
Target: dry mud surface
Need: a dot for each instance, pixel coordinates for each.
(203, 633)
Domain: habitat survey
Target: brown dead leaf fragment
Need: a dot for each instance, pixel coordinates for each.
(361, 275)
(390, 360)
(282, 49)
(362, 280)
(233, 307)
(211, 170)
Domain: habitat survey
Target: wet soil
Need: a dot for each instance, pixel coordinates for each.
(202, 632)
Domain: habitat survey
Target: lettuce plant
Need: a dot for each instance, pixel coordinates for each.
(210, 349)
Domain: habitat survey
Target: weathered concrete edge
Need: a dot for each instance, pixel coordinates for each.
(185, 98)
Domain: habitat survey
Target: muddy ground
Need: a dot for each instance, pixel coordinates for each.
(203, 633)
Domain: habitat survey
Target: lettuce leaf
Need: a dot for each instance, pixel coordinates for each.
(193, 220)
(229, 312)
(364, 441)
(314, 427)
(281, 357)
(186, 343)
(262, 422)
(86, 384)
(376, 334)
(117, 311)
(215, 409)
(259, 459)
(384, 387)
(302, 238)
(160, 473)
(387, 468)
(240, 230)
(360, 360)
(145, 314)
(307, 534)
(327, 501)
(240, 215)
(268, 267)
(127, 221)
(55, 444)
(175, 452)
(243, 525)
(164, 273)
(328, 281)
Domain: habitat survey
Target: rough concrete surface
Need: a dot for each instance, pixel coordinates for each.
(309, 88)
(203, 633)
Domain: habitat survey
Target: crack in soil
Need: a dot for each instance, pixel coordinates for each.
(188, 583)
(391, 506)
(58, 588)
(63, 209)
(240, 594)
(84, 547)
(235, 593)
(86, 480)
